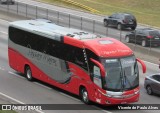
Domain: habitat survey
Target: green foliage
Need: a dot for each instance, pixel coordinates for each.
(146, 11)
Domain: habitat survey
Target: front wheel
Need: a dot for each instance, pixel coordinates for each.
(105, 23)
(119, 26)
(144, 43)
(84, 96)
(133, 28)
(149, 90)
(127, 39)
(28, 73)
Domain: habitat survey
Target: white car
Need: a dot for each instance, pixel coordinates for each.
(7, 1)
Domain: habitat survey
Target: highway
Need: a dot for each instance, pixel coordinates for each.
(74, 19)
(16, 86)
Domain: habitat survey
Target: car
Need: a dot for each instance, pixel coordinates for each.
(121, 21)
(144, 36)
(7, 1)
(152, 84)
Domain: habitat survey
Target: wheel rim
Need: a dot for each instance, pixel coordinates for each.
(119, 26)
(127, 39)
(29, 74)
(149, 90)
(105, 23)
(143, 43)
(85, 96)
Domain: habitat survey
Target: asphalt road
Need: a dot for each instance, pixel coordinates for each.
(69, 18)
(17, 87)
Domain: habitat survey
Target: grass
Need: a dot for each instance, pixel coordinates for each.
(146, 11)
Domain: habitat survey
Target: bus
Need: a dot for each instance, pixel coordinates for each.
(98, 69)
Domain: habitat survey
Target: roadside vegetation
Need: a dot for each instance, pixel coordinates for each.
(146, 11)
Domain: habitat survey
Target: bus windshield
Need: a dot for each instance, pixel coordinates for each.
(121, 74)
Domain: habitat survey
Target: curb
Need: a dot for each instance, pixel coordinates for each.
(81, 5)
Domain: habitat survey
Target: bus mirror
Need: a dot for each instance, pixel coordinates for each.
(142, 64)
(102, 70)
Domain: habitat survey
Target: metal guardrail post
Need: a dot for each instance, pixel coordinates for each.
(69, 21)
(81, 23)
(36, 13)
(17, 7)
(107, 31)
(58, 17)
(93, 26)
(120, 35)
(47, 13)
(26, 10)
(135, 41)
(7, 8)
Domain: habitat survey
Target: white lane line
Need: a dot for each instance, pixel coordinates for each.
(15, 74)
(17, 100)
(42, 14)
(42, 85)
(2, 68)
(101, 109)
(151, 63)
(4, 32)
(69, 96)
(4, 20)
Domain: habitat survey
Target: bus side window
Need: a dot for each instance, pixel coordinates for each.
(79, 58)
(90, 54)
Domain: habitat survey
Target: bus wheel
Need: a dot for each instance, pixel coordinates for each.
(84, 96)
(28, 73)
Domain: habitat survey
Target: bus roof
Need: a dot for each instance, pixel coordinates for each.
(47, 27)
(103, 47)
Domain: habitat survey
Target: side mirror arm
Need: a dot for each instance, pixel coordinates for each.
(142, 64)
(100, 66)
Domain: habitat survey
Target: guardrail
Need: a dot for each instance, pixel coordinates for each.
(74, 21)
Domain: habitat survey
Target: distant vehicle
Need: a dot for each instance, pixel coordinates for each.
(7, 1)
(152, 84)
(145, 37)
(121, 21)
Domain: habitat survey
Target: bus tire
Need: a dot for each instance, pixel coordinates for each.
(84, 95)
(28, 73)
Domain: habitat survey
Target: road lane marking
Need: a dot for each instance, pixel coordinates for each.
(49, 16)
(17, 100)
(2, 68)
(4, 20)
(15, 74)
(151, 63)
(101, 109)
(42, 85)
(69, 96)
(4, 32)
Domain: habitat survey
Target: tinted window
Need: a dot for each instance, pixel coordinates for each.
(113, 16)
(51, 47)
(129, 17)
(156, 77)
(154, 33)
